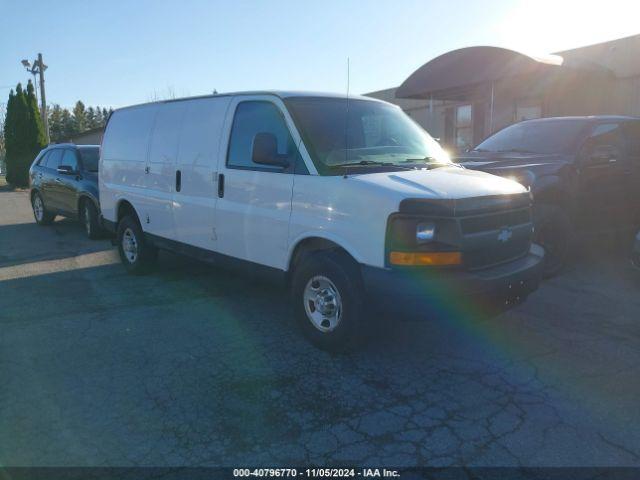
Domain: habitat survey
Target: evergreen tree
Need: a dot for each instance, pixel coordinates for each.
(56, 128)
(99, 118)
(9, 132)
(79, 117)
(17, 130)
(68, 125)
(36, 137)
(91, 118)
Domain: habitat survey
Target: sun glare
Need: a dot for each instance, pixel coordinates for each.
(547, 26)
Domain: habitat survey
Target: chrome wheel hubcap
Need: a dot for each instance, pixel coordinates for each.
(130, 245)
(322, 303)
(38, 208)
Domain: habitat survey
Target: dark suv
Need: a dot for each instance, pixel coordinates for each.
(64, 181)
(584, 173)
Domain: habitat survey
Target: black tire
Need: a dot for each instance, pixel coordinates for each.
(554, 233)
(42, 216)
(343, 274)
(141, 260)
(90, 219)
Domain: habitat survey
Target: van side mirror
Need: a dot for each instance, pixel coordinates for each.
(265, 151)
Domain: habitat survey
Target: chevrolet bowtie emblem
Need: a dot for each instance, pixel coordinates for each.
(505, 235)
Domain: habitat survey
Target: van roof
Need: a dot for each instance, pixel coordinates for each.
(276, 93)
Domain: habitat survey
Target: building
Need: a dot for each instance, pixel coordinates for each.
(88, 137)
(465, 95)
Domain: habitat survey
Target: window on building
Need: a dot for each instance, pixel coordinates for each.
(527, 109)
(464, 127)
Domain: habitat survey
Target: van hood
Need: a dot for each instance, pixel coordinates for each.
(441, 183)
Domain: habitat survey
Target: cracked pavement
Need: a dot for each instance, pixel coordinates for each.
(191, 366)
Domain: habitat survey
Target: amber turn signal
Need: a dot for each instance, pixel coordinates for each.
(425, 258)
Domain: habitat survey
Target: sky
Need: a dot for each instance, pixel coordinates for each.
(121, 52)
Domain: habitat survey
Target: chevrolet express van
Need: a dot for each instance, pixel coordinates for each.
(345, 199)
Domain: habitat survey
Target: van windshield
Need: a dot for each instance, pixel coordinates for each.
(360, 133)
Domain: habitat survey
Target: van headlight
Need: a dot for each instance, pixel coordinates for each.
(413, 240)
(425, 232)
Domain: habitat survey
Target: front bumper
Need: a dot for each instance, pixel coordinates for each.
(440, 293)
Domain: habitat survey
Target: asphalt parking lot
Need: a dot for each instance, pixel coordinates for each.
(194, 366)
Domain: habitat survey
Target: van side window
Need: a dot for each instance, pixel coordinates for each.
(251, 118)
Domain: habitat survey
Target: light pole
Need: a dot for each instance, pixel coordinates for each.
(39, 67)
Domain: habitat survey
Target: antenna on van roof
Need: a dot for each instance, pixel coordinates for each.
(346, 120)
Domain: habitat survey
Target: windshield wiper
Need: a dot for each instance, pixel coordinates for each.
(514, 150)
(423, 159)
(432, 162)
(368, 163)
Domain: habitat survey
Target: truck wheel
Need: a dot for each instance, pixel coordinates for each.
(137, 255)
(42, 216)
(327, 297)
(553, 233)
(89, 217)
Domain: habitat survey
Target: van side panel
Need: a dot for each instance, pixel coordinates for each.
(199, 149)
(349, 213)
(161, 164)
(123, 159)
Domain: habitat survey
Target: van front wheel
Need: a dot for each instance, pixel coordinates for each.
(137, 255)
(328, 302)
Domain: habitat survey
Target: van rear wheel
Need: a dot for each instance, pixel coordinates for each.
(136, 254)
(327, 297)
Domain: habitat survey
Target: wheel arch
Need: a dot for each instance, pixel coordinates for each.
(307, 244)
(83, 197)
(124, 207)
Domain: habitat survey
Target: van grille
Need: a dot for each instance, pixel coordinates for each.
(495, 221)
(496, 237)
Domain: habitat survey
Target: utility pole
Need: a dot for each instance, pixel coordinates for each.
(39, 67)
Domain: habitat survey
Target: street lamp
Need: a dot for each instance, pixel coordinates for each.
(27, 66)
(38, 68)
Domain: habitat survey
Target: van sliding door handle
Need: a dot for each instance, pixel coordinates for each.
(221, 185)
(178, 180)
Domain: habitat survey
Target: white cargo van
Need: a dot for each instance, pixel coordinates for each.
(345, 199)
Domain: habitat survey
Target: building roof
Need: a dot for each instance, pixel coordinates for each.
(621, 56)
(447, 74)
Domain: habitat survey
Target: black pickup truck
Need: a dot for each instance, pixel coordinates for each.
(584, 173)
